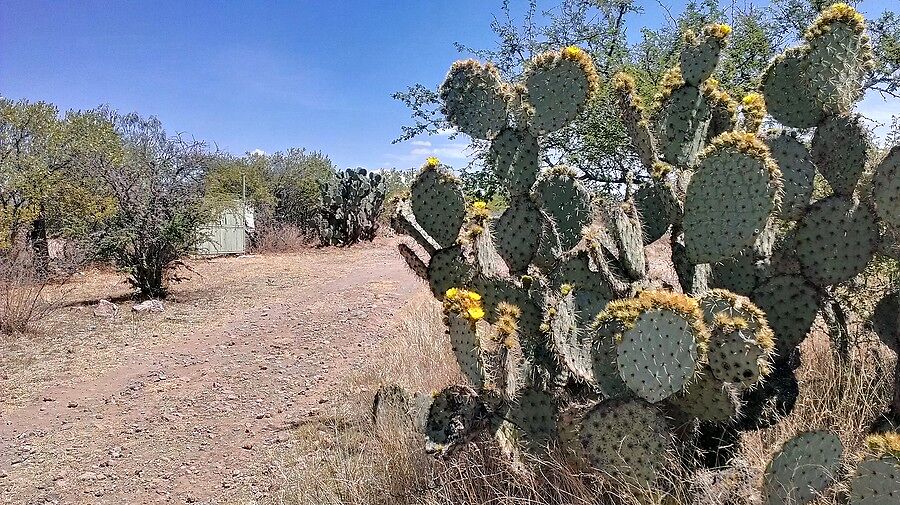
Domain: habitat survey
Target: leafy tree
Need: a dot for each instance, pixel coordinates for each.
(229, 178)
(294, 177)
(47, 185)
(157, 185)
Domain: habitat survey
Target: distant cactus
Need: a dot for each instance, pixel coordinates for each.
(582, 350)
(351, 205)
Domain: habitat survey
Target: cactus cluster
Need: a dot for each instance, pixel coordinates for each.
(564, 339)
(351, 204)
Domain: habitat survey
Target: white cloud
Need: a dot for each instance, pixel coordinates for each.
(258, 152)
(455, 151)
(423, 143)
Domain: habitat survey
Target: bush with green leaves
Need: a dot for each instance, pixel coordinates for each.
(563, 338)
(156, 183)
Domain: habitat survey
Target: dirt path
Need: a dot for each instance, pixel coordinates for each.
(187, 417)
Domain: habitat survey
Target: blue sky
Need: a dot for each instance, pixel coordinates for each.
(266, 75)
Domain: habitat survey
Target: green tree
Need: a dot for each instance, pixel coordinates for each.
(47, 183)
(230, 178)
(294, 176)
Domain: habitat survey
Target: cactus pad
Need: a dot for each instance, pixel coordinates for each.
(438, 205)
(789, 99)
(798, 170)
(684, 121)
(736, 357)
(886, 188)
(475, 99)
(534, 412)
(466, 348)
(805, 467)
(730, 197)
(629, 236)
(658, 355)
(603, 363)
(655, 206)
(567, 202)
(737, 274)
(572, 346)
(886, 320)
(701, 54)
(707, 399)
(840, 149)
(836, 240)
(514, 155)
(558, 86)
(626, 439)
(838, 52)
(791, 305)
(447, 269)
(877, 482)
(413, 261)
(517, 233)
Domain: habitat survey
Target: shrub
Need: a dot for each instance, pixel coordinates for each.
(24, 298)
(156, 183)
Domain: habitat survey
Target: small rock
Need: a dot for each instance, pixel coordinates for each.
(106, 308)
(148, 306)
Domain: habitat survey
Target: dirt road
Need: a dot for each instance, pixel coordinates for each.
(183, 406)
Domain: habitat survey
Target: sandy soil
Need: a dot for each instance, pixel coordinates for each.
(183, 406)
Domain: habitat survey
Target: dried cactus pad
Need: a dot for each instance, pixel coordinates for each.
(836, 240)
(558, 85)
(658, 355)
(567, 202)
(627, 439)
(877, 482)
(840, 150)
(456, 415)
(791, 305)
(707, 399)
(514, 155)
(625, 226)
(789, 98)
(517, 233)
(806, 466)
(798, 169)
(729, 199)
(475, 99)
(438, 205)
(886, 188)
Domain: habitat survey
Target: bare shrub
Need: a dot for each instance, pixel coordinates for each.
(280, 238)
(344, 459)
(25, 295)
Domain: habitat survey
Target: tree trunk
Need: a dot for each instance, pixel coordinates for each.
(40, 246)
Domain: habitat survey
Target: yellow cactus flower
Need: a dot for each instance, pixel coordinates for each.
(475, 297)
(452, 292)
(479, 205)
(572, 52)
(475, 313)
(432, 162)
(719, 31)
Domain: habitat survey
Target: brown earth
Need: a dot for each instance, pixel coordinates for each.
(185, 405)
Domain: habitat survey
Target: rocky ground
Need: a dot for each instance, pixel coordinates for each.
(107, 405)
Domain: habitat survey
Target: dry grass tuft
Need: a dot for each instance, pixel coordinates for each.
(345, 460)
(26, 297)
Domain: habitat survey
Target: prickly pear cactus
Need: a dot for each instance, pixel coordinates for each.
(351, 204)
(548, 306)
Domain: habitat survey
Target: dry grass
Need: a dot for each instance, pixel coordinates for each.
(277, 238)
(26, 297)
(344, 460)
